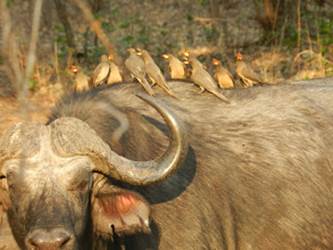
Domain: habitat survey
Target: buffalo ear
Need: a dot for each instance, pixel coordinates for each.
(120, 211)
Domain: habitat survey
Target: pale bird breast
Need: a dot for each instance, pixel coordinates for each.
(240, 66)
(81, 82)
(225, 80)
(102, 72)
(115, 75)
(177, 70)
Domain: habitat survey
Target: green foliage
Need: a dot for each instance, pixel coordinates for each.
(189, 17)
(60, 39)
(124, 24)
(114, 11)
(98, 51)
(203, 2)
(128, 41)
(144, 36)
(9, 2)
(211, 33)
(32, 84)
(97, 15)
(290, 39)
(163, 31)
(107, 26)
(326, 31)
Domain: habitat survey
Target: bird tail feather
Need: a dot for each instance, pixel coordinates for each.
(146, 86)
(221, 96)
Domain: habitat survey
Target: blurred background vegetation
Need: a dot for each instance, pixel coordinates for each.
(283, 39)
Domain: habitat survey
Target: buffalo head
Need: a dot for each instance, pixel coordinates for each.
(55, 185)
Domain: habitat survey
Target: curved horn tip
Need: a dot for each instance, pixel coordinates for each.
(148, 172)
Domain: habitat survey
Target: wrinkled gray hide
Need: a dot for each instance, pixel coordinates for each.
(258, 175)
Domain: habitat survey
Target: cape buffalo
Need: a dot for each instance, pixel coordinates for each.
(253, 174)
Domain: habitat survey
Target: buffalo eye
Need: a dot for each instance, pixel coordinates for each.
(10, 181)
(79, 179)
(81, 186)
(3, 183)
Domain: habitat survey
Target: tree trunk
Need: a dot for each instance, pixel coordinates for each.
(63, 16)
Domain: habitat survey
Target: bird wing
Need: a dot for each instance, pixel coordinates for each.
(226, 78)
(155, 73)
(227, 72)
(153, 70)
(114, 75)
(101, 73)
(176, 68)
(249, 73)
(219, 95)
(202, 78)
(81, 82)
(135, 65)
(145, 84)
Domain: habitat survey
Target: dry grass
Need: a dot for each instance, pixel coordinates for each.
(10, 111)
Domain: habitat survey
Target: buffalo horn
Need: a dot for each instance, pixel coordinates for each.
(71, 136)
(147, 172)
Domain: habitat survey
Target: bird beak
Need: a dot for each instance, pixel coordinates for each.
(165, 56)
(73, 68)
(239, 56)
(215, 61)
(185, 53)
(139, 51)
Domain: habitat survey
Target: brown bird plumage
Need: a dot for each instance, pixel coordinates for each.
(204, 80)
(154, 72)
(136, 67)
(176, 67)
(101, 72)
(115, 73)
(246, 73)
(81, 82)
(222, 75)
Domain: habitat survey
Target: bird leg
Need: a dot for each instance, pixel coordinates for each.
(153, 82)
(247, 83)
(146, 86)
(202, 89)
(132, 77)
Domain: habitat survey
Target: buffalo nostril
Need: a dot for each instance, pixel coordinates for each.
(48, 239)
